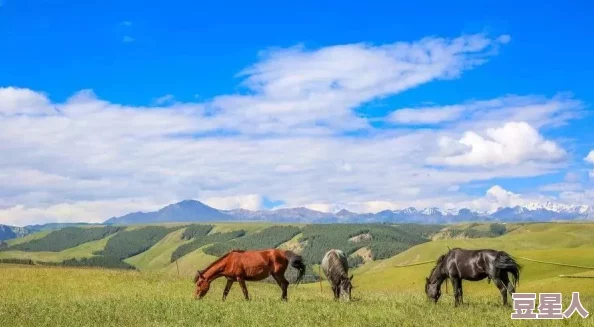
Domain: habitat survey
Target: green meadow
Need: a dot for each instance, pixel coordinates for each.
(387, 292)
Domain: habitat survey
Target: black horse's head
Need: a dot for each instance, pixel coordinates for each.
(432, 290)
(433, 282)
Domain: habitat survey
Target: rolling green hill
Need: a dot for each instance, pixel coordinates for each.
(152, 248)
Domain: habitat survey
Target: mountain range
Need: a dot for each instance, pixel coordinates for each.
(196, 211)
(188, 211)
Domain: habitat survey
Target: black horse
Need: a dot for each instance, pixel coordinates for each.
(473, 265)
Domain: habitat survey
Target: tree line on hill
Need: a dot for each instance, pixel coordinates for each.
(65, 238)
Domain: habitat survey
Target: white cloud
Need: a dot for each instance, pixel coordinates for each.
(322, 207)
(89, 211)
(250, 202)
(426, 115)
(166, 99)
(511, 144)
(504, 39)
(316, 91)
(23, 101)
(590, 158)
(129, 23)
(561, 187)
(128, 39)
(584, 197)
(537, 111)
(498, 197)
(283, 139)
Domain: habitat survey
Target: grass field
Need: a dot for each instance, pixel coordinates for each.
(385, 294)
(44, 296)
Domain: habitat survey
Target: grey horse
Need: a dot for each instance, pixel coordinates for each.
(335, 266)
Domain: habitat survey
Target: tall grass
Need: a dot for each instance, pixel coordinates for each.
(42, 296)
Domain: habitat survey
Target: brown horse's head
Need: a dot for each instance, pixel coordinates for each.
(202, 285)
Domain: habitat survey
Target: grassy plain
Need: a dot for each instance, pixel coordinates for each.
(50, 296)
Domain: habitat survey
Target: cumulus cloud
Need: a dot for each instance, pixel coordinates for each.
(249, 202)
(511, 144)
(87, 159)
(23, 101)
(497, 197)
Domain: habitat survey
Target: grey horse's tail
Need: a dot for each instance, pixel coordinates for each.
(507, 263)
(296, 261)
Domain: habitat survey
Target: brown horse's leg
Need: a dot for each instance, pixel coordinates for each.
(243, 288)
(283, 283)
(227, 288)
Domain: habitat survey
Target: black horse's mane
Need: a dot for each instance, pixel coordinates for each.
(438, 263)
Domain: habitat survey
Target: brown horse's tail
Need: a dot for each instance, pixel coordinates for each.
(296, 261)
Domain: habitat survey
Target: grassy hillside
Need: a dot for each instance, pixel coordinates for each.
(158, 256)
(542, 236)
(562, 243)
(60, 240)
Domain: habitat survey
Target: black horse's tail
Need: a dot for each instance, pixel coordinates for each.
(296, 261)
(507, 263)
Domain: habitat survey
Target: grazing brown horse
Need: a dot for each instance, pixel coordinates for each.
(473, 265)
(242, 266)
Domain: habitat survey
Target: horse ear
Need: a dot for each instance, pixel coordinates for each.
(351, 278)
(427, 279)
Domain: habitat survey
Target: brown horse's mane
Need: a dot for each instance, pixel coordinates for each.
(199, 272)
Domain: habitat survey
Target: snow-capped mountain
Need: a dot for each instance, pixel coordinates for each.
(190, 210)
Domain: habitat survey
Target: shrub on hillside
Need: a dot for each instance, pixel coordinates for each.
(195, 231)
(129, 243)
(97, 261)
(17, 261)
(355, 261)
(65, 238)
(199, 242)
(497, 229)
(270, 237)
(383, 240)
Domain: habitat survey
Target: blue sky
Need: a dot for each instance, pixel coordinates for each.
(311, 104)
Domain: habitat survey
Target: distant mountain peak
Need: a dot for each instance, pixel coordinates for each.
(183, 211)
